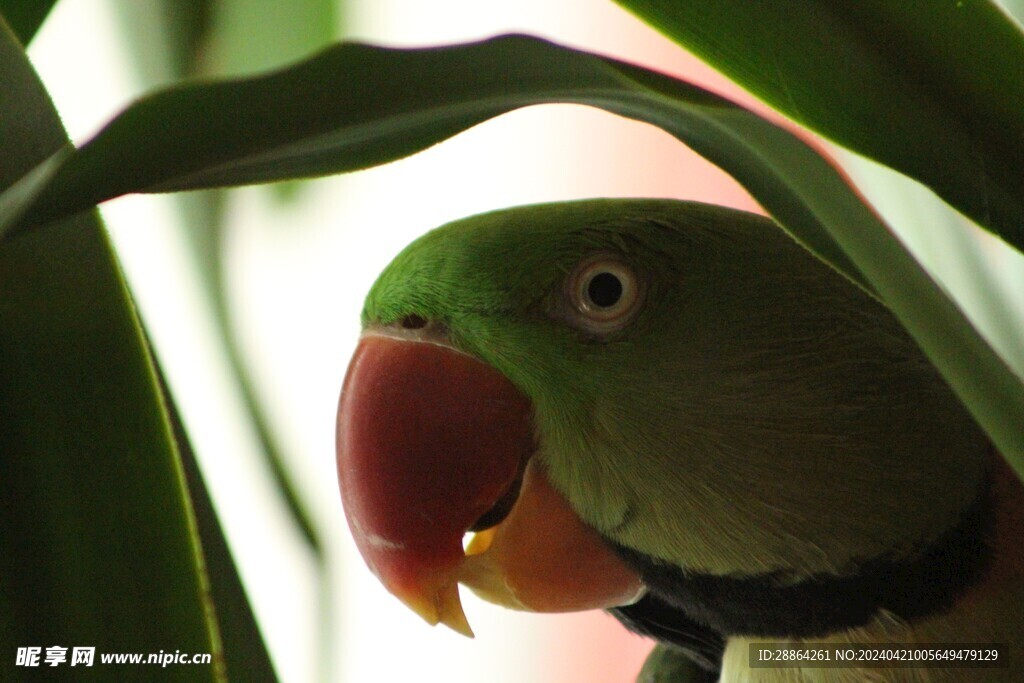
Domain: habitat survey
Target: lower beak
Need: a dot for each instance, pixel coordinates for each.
(543, 558)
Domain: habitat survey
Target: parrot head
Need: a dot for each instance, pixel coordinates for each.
(572, 385)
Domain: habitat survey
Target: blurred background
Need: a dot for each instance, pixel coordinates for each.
(266, 284)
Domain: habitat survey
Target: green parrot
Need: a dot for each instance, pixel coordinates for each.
(674, 412)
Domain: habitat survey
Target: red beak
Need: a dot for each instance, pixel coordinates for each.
(429, 439)
(433, 442)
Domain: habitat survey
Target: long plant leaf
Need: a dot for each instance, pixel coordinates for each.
(171, 40)
(24, 17)
(932, 89)
(245, 654)
(354, 106)
(97, 548)
(256, 35)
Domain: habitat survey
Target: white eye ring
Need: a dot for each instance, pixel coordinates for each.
(604, 293)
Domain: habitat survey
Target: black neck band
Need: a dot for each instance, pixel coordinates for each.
(710, 608)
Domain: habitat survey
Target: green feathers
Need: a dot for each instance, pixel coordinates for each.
(706, 392)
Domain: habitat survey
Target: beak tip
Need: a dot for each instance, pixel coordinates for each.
(445, 607)
(456, 621)
(425, 609)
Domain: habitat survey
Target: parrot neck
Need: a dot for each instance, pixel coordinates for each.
(1006, 567)
(698, 611)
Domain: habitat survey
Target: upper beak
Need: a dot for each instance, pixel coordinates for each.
(428, 440)
(432, 443)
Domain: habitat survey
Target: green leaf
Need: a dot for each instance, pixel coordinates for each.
(173, 39)
(245, 655)
(96, 547)
(25, 16)
(256, 35)
(164, 39)
(250, 36)
(932, 89)
(354, 106)
(26, 190)
(96, 535)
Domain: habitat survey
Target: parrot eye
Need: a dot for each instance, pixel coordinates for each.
(604, 293)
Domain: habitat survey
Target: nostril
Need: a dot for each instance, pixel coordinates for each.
(413, 322)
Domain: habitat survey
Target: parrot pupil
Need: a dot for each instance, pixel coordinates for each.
(605, 290)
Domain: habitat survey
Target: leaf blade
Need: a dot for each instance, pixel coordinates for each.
(95, 541)
(287, 124)
(171, 40)
(886, 79)
(385, 104)
(25, 17)
(244, 652)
